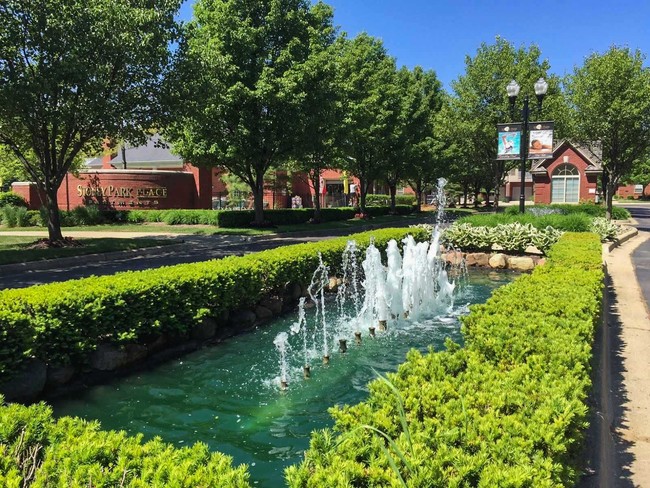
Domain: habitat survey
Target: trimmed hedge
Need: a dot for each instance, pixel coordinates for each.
(508, 409)
(243, 218)
(384, 200)
(61, 323)
(593, 209)
(36, 450)
(11, 198)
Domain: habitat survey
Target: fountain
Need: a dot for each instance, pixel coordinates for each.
(413, 284)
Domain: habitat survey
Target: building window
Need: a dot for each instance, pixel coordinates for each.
(565, 184)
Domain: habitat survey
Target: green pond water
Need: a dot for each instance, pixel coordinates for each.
(227, 396)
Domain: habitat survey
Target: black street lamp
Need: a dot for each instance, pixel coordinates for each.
(513, 90)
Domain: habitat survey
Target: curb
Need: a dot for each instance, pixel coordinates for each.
(626, 236)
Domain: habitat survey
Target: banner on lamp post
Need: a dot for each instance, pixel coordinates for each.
(509, 145)
(540, 140)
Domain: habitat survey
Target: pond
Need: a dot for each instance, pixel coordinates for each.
(228, 397)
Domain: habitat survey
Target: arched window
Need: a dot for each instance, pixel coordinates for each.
(565, 184)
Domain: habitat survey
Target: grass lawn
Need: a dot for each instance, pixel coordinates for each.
(15, 249)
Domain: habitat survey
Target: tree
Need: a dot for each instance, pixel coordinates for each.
(318, 144)
(481, 101)
(417, 159)
(611, 97)
(640, 174)
(371, 107)
(240, 85)
(11, 169)
(71, 71)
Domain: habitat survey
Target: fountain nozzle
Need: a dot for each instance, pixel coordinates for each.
(284, 385)
(326, 359)
(306, 371)
(343, 345)
(372, 331)
(382, 325)
(357, 337)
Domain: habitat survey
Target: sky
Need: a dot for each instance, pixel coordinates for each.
(439, 34)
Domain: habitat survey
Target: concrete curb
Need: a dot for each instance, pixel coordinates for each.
(624, 237)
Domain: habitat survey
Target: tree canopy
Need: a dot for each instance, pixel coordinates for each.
(610, 95)
(73, 72)
(243, 82)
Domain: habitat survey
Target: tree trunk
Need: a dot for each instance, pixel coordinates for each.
(393, 191)
(611, 188)
(315, 180)
(258, 202)
(363, 190)
(418, 201)
(54, 217)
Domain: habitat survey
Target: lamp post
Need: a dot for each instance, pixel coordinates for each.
(541, 86)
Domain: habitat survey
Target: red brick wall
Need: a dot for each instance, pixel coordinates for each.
(628, 191)
(128, 189)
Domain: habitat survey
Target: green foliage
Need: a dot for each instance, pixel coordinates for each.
(240, 85)
(13, 199)
(509, 409)
(611, 96)
(61, 323)
(39, 451)
(96, 71)
(244, 218)
(384, 200)
(14, 216)
(592, 209)
(513, 236)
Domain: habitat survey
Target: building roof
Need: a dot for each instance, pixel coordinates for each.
(592, 155)
(154, 154)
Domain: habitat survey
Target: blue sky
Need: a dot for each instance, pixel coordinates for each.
(438, 34)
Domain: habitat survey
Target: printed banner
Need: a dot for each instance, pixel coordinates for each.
(540, 140)
(509, 141)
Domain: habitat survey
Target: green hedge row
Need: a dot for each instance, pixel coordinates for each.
(508, 409)
(593, 209)
(383, 200)
(38, 451)
(61, 323)
(243, 218)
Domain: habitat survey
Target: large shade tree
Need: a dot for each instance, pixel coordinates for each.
(611, 97)
(241, 85)
(71, 73)
(418, 151)
(481, 102)
(371, 106)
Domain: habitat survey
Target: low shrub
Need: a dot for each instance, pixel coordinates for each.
(592, 209)
(61, 323)
(508, 409)
(13, 199)
(377, 200)
(514, 237)
(37, 450)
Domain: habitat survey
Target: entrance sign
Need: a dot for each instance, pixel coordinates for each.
(540, 140)
(509, 141)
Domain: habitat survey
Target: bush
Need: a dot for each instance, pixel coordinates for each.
(61, 323)
(592, 209)
(37, 450)
(509, 409)
(13, 199)
(377, 200)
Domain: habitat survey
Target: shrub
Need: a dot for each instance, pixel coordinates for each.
(61, 323)
(509, 409)
(514, 236)
(384, 200)
(37, 450)
(592, 209)
(13, 199)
